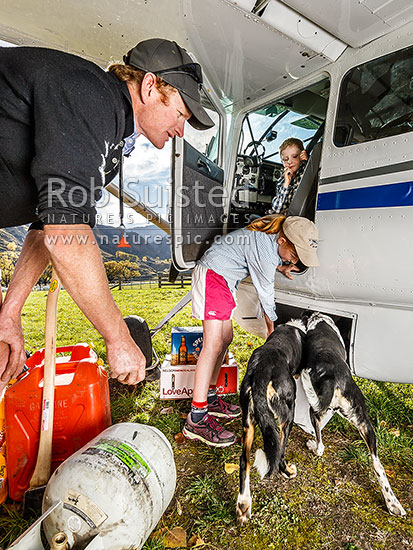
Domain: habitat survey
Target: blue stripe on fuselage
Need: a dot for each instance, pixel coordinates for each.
(379, 196)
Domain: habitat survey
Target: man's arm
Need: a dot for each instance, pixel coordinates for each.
(33, 260)
(77, 260)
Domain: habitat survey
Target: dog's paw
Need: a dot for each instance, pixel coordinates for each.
(289, 472)
(292, 470)
(320, 450)
(395, 508)
(316, 449)
(312, 445)
(243, 509)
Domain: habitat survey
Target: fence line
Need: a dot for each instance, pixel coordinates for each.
(181, 280)
(158, 280)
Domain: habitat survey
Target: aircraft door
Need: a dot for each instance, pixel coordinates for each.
(197, 214)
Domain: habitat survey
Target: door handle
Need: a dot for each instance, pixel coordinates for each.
(202, 164)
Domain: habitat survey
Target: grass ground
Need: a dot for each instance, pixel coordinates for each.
(333, 503)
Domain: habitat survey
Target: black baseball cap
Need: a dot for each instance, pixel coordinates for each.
(173, 64)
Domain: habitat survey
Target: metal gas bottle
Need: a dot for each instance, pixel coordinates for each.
(114, 490)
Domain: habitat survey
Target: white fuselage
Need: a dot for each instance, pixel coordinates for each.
(250, 60)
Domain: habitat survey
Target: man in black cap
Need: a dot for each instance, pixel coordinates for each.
(64, 124)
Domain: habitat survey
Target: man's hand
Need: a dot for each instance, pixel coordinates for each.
(80, 268)
(31, 264)
(4, 357)
(286, 269)
(12, 355)
(126, 361)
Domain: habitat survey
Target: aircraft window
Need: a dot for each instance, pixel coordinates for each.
(258, 165)
(206, 142)
(260, 138)
(376, 100)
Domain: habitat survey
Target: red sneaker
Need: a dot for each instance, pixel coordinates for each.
(208, 431)
(222, 409)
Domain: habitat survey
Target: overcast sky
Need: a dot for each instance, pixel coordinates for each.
(147, 176)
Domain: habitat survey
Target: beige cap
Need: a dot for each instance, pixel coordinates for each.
(304, 236)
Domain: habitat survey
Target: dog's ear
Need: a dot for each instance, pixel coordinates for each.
(306, 315)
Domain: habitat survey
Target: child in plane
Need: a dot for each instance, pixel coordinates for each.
(271, 243)
(294, 158)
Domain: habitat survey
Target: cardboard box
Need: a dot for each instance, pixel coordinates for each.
(177, 381)
(186, 345)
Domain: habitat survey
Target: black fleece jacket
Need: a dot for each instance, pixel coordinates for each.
(62, 122)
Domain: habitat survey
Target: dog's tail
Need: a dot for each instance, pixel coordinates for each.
(267, 461)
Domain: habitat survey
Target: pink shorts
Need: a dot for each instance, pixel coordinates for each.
(211, 297)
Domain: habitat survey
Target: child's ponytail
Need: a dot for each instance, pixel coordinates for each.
(270, 224)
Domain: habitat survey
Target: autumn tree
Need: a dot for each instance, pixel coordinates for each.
(125, 256)
(7, 264)
(128, 270)
(112, 270)
(46, 276)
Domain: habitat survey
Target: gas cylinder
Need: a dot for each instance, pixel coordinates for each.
(114, 489)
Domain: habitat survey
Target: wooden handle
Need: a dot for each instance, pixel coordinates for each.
(41, 472)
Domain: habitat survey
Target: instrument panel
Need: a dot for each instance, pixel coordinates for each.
(254, 183)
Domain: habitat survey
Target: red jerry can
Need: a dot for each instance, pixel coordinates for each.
(82, 411)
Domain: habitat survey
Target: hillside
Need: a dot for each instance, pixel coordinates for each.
(145, 241)
(12, 235)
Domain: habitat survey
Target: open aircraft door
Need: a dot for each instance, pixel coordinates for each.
(198, 195)
(197, 204)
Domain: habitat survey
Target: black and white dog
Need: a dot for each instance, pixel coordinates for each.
(267, 398)
(328, 385)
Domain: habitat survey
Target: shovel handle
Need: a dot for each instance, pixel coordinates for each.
(41, 472)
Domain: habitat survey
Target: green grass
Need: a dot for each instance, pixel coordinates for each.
(12, 523)
(271, 511)
(333, 503)
(394, 449)
(154, 544)
(204, 493)
(390, 409)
